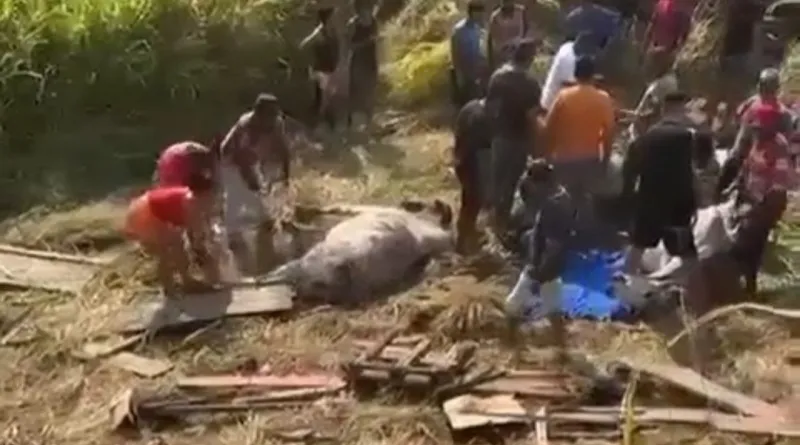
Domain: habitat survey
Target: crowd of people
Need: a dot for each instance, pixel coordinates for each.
(534, 156)
(550, 145)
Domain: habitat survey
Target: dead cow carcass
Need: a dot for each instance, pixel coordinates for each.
(368, 253)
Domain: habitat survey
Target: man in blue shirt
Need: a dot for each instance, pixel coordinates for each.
(602, 23)
(469, 62)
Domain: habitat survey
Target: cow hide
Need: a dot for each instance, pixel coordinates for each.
(364, 255)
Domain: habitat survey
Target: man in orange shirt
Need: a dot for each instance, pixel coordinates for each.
(578, 130)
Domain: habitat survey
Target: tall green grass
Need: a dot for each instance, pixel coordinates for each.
(90, 90)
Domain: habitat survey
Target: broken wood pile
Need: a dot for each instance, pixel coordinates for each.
(725, 410)
(224, 394)
(408, 364)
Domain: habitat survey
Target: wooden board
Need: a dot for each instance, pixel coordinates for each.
(160, 312)
(53, 256)
(399, 352)
(265, 381)
(610, 416)
(464, 412)
(695, 383)
(141, 366)
(44, 272)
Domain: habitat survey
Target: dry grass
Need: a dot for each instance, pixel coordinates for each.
(47, 396)
(52, 397)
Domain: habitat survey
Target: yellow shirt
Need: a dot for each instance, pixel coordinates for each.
(581, 117)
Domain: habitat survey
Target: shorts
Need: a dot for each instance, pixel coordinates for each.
(142, 225)
(650, 228)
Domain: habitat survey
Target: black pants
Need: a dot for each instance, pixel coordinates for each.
(650, 226)
(326, 115)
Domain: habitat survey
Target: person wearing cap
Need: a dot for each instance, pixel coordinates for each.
(323, 44)
(578, 133)
(255, 155)
(562, 68)
(507, 24)
(512, 101)
(658, 184)
(469, 63)
(545, 245)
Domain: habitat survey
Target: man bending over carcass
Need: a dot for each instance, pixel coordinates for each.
(252, 151)
(546, 245)
(161, 218)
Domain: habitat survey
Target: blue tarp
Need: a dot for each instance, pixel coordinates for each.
(587, 290)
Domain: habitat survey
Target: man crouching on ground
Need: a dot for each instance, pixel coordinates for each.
(163, 217)
(251, 151)
(547, 243)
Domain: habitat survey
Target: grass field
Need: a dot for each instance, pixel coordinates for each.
(84, 137)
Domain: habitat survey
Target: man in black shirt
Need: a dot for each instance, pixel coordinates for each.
(664, 203)
(513, 103)
(472, 157)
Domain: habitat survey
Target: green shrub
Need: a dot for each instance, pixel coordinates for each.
(95, 88)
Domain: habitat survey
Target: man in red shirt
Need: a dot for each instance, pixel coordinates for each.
(668, 28)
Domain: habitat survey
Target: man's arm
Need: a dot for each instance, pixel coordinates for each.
(311, 37)
(551, 125)
(490, 39)
(460, 135)
(281, 146)
(631, 166)
(648, 33)
(232, 147)
(609, 119)
(455, 53)
(684, 26)
(525, 21)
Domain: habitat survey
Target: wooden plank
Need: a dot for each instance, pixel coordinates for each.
(541, 427)
(141, 366)
(392, 353)
(546, 386)
(46, 274)
(413, 357)
(695, 383)
(52, 256)
(644, 417)
(262, 381)
(464, 412)
(375, 349)
(207, 306)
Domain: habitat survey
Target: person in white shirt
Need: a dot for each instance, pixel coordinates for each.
(562, 69)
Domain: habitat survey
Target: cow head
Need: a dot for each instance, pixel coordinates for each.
(436, 210)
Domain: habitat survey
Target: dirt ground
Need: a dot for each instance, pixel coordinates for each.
(49, 396)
